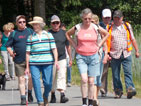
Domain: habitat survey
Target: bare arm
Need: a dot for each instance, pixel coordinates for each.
(68, 35)
(27, 63)
(135, 47)
(55, 53)
(69, 53)
(105, 35)
(10, 51)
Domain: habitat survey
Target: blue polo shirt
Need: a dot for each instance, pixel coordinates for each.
(17, 40)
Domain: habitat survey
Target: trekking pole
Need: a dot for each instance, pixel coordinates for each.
(26, 88)
(12, 90)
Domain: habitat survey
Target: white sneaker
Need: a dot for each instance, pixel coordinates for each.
(68, 84)
(84, 105)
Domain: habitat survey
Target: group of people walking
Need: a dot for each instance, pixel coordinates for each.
(38, 52)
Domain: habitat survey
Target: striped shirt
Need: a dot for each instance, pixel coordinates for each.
(40, 48)
(119, 41)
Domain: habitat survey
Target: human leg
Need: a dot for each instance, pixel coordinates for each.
(54, 82)
(11, 67)
(4, 55)
(116, 65)
(127, 67)
(35, 73)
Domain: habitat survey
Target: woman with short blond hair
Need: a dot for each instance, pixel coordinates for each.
(6, 58)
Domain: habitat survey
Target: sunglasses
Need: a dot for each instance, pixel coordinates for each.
(21, 22)
(55, 23)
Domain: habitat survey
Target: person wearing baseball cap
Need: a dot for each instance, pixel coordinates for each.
(59, 76)
(106, 21)
(120, 42)
(17, 40)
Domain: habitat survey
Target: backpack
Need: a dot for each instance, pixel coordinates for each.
(14, 32)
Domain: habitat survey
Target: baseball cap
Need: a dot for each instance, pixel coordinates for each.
(118, 13)
(106, 13)
(19, 17)
(55, 18)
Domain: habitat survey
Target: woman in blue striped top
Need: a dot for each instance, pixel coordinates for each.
(41, 54)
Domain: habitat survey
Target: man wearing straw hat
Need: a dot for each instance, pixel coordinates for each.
(17, 40)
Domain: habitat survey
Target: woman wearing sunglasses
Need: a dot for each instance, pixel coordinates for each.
(87, 57)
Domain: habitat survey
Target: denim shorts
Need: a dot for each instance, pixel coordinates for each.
(88, 64)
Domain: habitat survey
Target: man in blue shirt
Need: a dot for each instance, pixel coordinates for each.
(17, 40)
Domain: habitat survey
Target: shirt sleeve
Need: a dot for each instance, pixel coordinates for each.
(10, 40)
(28, 44)
(131, 32)
(52, 41)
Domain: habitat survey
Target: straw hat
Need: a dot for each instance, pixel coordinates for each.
(37, 20)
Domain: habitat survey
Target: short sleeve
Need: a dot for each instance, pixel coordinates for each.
(28, 44)
(10, 40)
(131, 32)
(52, 41)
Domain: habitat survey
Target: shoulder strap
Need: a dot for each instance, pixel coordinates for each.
(127, 26)
(29, 30)
(13, 33)
(77, 28)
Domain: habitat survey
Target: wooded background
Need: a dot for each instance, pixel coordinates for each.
(67, 10)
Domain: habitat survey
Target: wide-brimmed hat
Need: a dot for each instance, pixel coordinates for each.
(37, 20)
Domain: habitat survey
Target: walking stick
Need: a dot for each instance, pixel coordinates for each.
(26, 88)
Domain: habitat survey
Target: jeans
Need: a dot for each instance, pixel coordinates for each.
(88, 64)
(68, 72)
(46, 71)
(127, 66)
(97, 80)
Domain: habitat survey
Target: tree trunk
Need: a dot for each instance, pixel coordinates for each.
(39, 9)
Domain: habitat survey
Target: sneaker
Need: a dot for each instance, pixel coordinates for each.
(30, 97)
(84, 105)
(68, 84)
(103, 93)
(95, 103)
(64, 99)
(8, 79)
(23, 101)
(118, 93)
(41, 104)
(53, 98)
(131, 92)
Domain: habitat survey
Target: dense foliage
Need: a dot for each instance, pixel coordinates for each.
(69, 10)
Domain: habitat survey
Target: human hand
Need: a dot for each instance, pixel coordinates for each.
(56, 65)
(137, 54)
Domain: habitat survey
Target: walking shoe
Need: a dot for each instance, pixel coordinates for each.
(64, 99)
(118, 93)
(103, 93)
(45, 101)
(41, 104)
(53, 98)
(23, 101)
(30, 97)
(131, 92)
(95, 103)
(84, 105)
(68, 84)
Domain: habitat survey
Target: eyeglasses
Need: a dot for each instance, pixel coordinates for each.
(55, 23)
(21, 22)
(107, 17)
(87, 18)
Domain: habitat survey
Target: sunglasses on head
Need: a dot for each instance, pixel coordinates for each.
(55, 22)
(21, 22)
